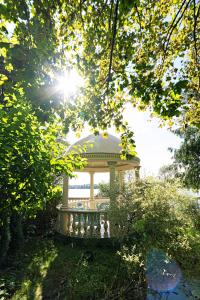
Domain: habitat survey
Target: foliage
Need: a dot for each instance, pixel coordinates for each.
(29, 151)
(104, 188)
(46, 269)
(31, 114)
(45, 221)
(148, 50)
(168, 172)
(151, 61)
(31, 159)
(155, 214)
(194, 213)
(139, 51)
(29, 55)
(187, 157)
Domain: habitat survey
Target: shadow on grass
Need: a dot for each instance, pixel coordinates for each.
(49, 269)
(24, 271)
(81, 270)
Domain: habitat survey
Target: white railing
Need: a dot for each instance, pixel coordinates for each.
(83, 223)
(79, 202)
(84, 202)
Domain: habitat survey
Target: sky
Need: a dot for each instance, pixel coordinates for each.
(152, 143)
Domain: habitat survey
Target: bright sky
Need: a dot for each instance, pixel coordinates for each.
(152, 143)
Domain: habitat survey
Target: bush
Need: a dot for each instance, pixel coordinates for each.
(154, 214)
(45, 220)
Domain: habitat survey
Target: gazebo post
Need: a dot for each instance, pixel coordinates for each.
(137, 173)
(112, 165)
(65, 191)
(64, 217)
(92, 204)
(121, 179)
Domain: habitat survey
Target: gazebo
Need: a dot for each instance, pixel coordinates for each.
(83, 217)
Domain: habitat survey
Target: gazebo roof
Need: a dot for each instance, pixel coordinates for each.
(101, 150)
(99, 144)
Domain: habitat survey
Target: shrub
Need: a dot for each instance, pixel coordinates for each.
(154, 214)
(45, 221)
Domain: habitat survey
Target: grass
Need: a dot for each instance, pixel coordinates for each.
(48, 269)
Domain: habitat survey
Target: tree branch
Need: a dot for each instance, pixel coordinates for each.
(110, 17)
(139, 17)
(80, 10)
(113, 42)
(194, 33)
(183, 3)
(194, 30)
(195, 16)
(174, 24)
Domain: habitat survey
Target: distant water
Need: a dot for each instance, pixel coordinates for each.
(78, 193)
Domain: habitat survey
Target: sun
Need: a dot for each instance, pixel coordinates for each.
(70, 83)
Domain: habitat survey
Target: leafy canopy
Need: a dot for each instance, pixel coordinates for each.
(187, 158)
(145, 52)
(31, 159)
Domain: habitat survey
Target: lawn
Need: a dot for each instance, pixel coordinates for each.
(55, 269)
(52, 269)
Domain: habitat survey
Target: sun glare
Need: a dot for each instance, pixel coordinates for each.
(70, 83)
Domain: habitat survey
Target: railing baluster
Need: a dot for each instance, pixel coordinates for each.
(85, 225)
(105, 225)
(98, 229)
(79, 224)
(94, 223)
(74, 224)
(68, 222)
(63, 221)
(91, 224)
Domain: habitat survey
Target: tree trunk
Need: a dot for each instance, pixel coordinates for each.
(16, 229)
(4, 239)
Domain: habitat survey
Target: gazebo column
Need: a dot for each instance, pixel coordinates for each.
(121, 179)
(112, 166)
(92, 203)
(63, 219)
(137, 173)
(65, 191)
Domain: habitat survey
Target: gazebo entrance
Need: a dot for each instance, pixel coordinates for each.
(89, 202)
(84, 217)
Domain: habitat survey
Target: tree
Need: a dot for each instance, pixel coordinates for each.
(29, 56)
(169, 172)
(187, 158)
(146, 49)
(186, 164)
(145, 52)
(30, 160)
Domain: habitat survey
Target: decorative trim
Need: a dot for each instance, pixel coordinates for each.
(108, 156)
